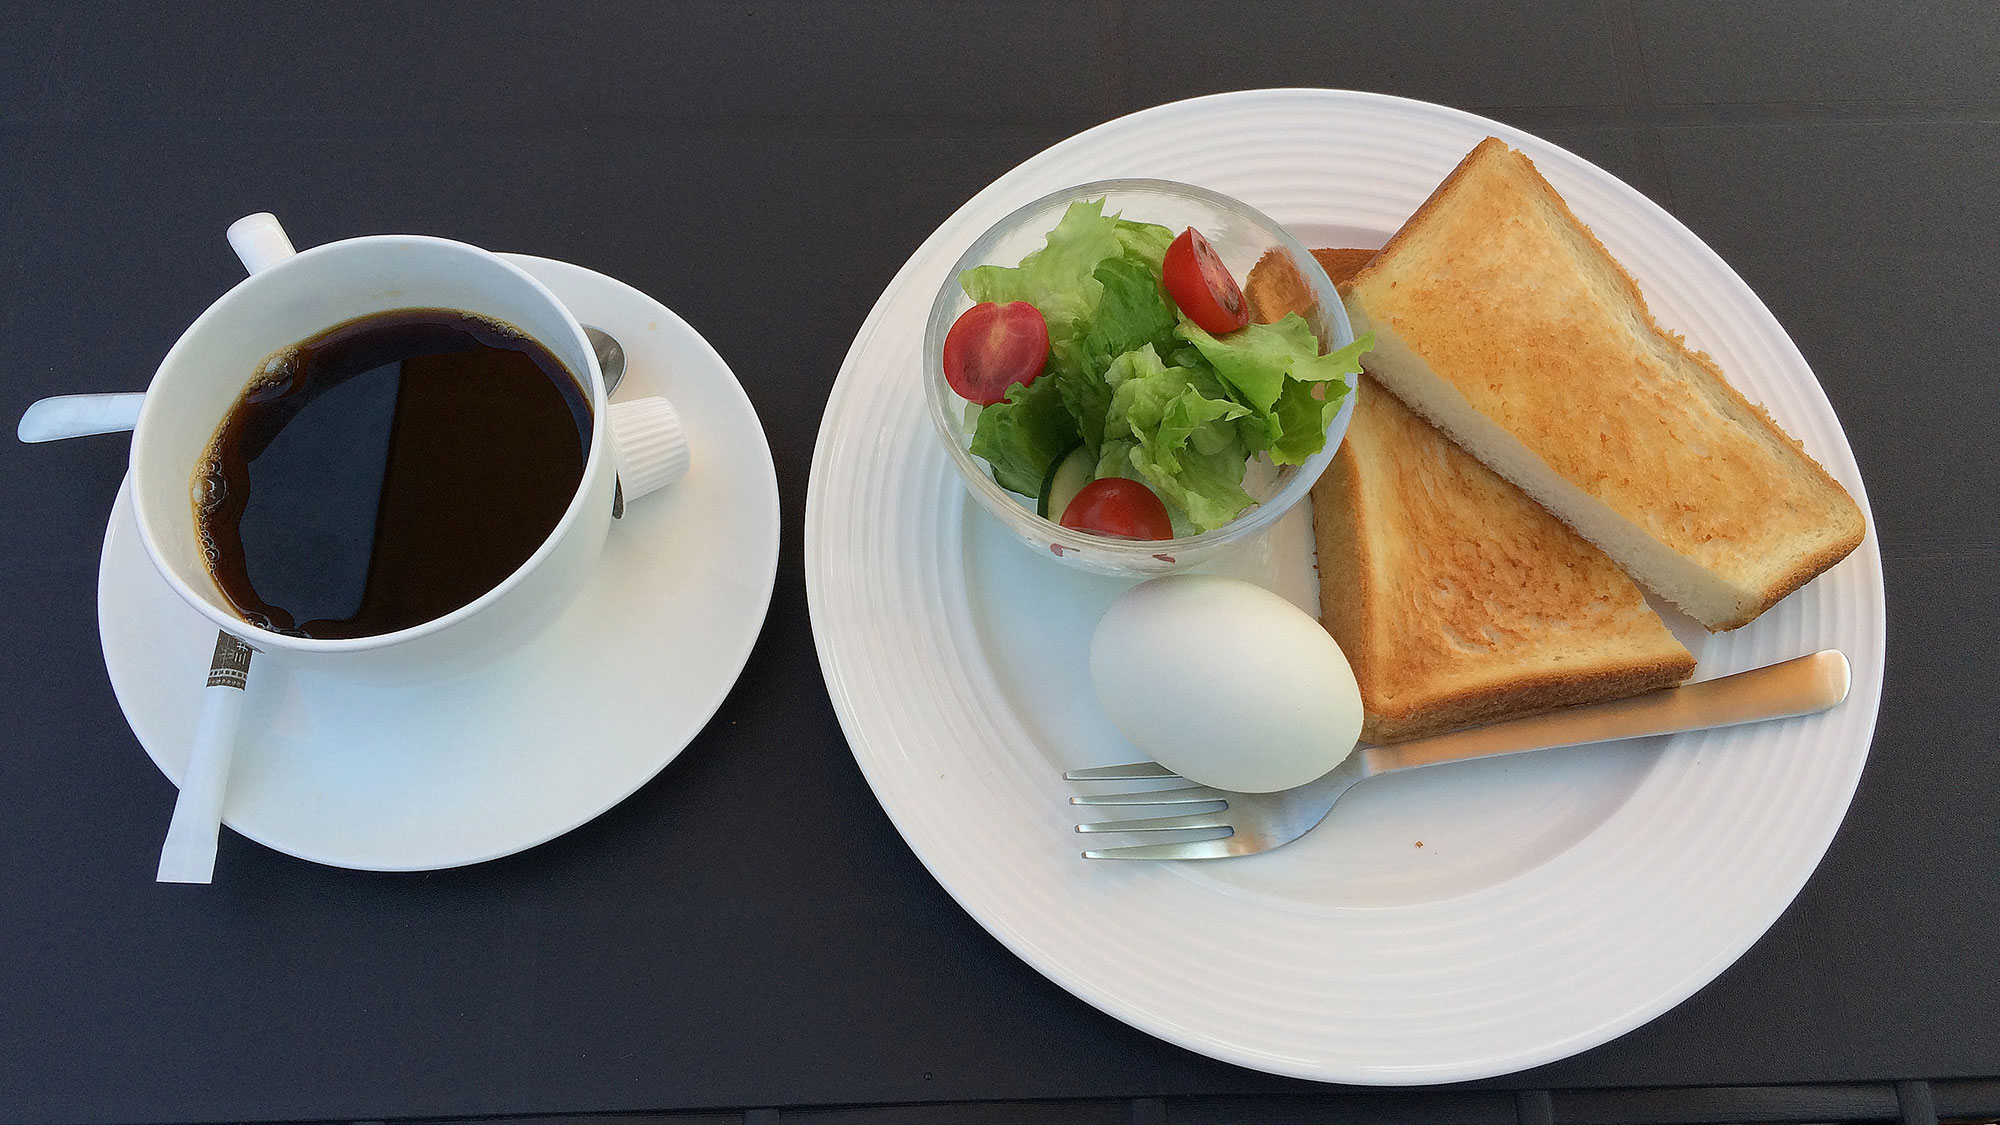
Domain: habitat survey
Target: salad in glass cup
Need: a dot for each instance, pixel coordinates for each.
(1105, 391)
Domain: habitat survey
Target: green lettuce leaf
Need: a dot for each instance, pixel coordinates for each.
(1083, 390)
(1312, 396)
(1303, 416)
(1115, 460)
(1201, 475)
(1276, 369)
(1145, 244)
(1021, 436)
(1342, 364)
(1182, 441)
(1132, 312)
(1060, 278)
(1138, 380)
(1057, 278)
(1256, 358)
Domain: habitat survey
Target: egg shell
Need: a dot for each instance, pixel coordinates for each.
(1225, 683)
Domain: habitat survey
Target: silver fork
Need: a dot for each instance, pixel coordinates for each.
(1258, 822)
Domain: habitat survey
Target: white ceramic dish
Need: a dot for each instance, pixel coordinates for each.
(401, 777)
(1445, 925)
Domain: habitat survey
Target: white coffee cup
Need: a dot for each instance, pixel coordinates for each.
(290, 297)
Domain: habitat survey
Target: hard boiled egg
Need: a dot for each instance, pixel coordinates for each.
(1225, 683)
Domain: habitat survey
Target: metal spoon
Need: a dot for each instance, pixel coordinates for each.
(610, 357)
(68, 416)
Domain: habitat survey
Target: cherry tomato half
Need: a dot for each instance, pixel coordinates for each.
(1116, 506)
(1201, 285)
(992, 347)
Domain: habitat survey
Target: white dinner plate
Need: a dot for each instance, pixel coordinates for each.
(1442, 925)
(410, 777)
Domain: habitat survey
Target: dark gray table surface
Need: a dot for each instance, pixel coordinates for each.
(748, 932)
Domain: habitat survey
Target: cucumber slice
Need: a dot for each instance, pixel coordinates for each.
(1066, 477)
(1049, 480)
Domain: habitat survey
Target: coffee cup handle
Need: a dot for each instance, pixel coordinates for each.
(651, 447)
(259, 241)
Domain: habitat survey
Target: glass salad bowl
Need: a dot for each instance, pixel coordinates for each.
(1241, 237)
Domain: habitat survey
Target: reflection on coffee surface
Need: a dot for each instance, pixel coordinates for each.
(388, 471)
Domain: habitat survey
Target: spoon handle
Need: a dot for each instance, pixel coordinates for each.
(68, 416)
(188, 855)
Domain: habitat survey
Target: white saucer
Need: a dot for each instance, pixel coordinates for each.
(425, 776)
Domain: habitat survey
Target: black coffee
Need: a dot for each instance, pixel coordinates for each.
(388, 471)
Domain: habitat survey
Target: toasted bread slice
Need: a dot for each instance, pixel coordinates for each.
(1457, 598)
(1276, 287)
(1502, 319)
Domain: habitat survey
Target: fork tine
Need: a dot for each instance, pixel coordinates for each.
(1156, 823)
(1131, 772)
(1221, 847)
(1186, 794)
